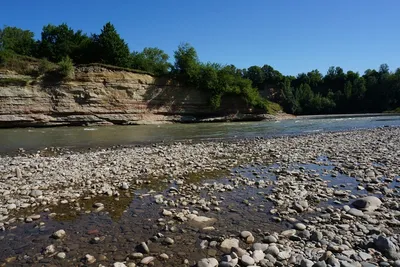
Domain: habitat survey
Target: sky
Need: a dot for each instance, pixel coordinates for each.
(292, 36)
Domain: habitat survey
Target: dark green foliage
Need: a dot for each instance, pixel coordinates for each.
(17, 40)
(214, 79)
(110, 48)
(151, 59)
(58, 42)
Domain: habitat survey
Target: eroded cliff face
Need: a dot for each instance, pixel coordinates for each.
(98, 95)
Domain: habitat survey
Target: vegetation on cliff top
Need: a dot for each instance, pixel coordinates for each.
(308, 93)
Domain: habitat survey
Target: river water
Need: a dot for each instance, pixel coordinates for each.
(103, 136)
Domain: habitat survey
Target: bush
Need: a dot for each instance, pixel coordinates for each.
(66, 68)
(46, 66)
(20, 64)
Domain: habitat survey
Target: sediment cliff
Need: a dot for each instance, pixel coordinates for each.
(98, 95)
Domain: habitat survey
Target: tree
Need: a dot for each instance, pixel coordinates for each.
(59, 42)
(110, 47)
(348, 88)
(153, 60)
(18, 40)
(256, 75)
(187, 64)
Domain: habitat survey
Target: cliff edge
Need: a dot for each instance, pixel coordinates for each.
(99, 96)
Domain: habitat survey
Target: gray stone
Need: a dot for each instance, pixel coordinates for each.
(144, 248)
(207, 262)
(227, 245)
(283, 255)
(36, 193)
(369, 203)
(306, 263)
(273, 250)
(364, 256)
(61, 255)
(319, 264)
(270, 239)
(300, 226)
(247, 260)
(356, 212)
(258, 255)
(316, 236)
(147, 260)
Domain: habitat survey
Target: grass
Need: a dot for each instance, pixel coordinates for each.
(13, 81)
(272, 107)
(396, 110)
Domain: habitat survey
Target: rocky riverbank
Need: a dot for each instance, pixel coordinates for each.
(318, 200)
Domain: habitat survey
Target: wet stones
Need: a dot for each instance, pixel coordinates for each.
(89, 259)
(207, 262)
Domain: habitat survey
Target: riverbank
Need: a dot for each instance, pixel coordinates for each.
(295, 195)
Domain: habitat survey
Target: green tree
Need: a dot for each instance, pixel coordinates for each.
(59, 42)
(110, 48)
(187, 65)
(152, 60)
(348, 90)
(18, 40)
(256, 75)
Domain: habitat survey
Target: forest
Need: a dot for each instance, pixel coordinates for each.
(60, 48)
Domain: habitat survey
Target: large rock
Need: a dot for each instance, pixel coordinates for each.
(369, 203)
(200, 221)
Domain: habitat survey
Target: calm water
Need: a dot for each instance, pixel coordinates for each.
(76, 137)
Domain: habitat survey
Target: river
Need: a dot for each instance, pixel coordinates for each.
(104, 136)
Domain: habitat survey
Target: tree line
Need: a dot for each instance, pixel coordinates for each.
(307, 93)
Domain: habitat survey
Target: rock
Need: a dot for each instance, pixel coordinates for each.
(147, 260)
(124, 186)
(283, 255)
(384, 245)
(260, 246)
(370, 203)
(207, 262)
(201, 221)
(164, 256)
(258, 255)
(356, 212)
(61, 255)
(300, 226)
(11, 206)
(396, 263)
(89, 259)
(289, 232)
(36, 193)
(247, 260)
(270, 239)
(50, 249)
(319, 264)
(273, 250)
(18, 173)
(245, 234)
(227, 245)
(316, 236)
(364, 256)
(306, 263)
(59, 234)
(368, 264)
(167, 212)
(169, 241)
(143, 248)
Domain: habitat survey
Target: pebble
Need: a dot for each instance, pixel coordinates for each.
(147, 260)
(59, 234)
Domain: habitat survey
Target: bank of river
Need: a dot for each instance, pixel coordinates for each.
(288, 200)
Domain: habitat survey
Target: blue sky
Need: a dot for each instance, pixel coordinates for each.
(292, 36)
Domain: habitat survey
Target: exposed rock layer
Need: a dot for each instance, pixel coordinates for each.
(98, 95)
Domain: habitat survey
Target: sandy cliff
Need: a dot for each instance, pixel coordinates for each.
(98, 95)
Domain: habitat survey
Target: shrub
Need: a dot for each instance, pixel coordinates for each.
(66, 68)
(45, 66)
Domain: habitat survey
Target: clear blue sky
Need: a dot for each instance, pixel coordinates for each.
(290, 35)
